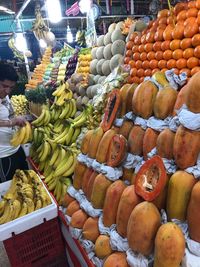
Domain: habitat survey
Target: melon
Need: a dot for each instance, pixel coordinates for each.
(112, 27)
(100, 40)
(140, 26)
(99, 52)
(107, 51)
(106, 68)
(116, 61)
(99, 66)
(89, 91)
(119, 25)
(101, 79)
(117, 35)
(93, 64)
(93, 52)
(118, 47)
(107, 38)
(96, 78)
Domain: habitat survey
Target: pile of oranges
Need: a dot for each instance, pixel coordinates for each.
(170, 41)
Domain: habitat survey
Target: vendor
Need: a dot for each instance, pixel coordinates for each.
(11, 158)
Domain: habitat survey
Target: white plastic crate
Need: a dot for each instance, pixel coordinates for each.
(28, 221)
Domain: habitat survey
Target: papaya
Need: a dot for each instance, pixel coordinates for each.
(79, 170)
(102, 247)
(123, 94)
(111, 202)
(100, 186)
(103, 146)
(78, 219)
(143, 99)
(67, 199)
(135, 140)
(186, 147)
(91, 229)
(180, 100)
(142, 227)
(86, 141)
(161, 200)
(127, 174)
(90, 185)
(169, 246)
(178, 196)
(116, 259)
(193, 215)
(129, 199)
(126, 128)
(129, 97)
(86, 178)
(165, 144)
(149, 141)
(164, 102)
(94, 142)
(192, 99)
(72, 207)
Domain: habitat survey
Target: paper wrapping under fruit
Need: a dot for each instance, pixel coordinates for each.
(195, 170)
(132, 161)
(189, 119)
(87, 245)
(175, 80)
(117, 242)
(113, 174)
(136, 260)
(75, 232)
(103, 229)
(190, 260)
(97, 262)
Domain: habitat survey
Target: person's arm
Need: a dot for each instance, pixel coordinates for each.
(16, 121)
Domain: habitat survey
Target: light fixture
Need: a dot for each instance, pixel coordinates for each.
(54, 10)
(85, 6)
(42, 43)
(69, 35)
(20, 42)
(6, 10)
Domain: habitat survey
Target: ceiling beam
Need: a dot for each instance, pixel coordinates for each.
(25, 4)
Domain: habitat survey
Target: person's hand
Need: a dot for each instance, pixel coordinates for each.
(18, 121)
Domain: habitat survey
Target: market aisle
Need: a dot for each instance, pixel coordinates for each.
(3, 257)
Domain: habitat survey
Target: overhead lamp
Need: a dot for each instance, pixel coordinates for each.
(69, 35)
(42, 43)
(6, 10)
(85, 6)
(20, 42)
(54, 10)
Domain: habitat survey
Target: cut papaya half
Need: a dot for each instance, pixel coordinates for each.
(111, 110)
(151, 179)
(117, 150)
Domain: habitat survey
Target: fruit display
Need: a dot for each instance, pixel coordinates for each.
(84, 59)
(71, 65)
(19, 104)
(22, 136)
(25, 195)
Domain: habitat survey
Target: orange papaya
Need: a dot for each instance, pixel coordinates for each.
(135, 140)
(149, 141)
(165, 144)
(94, 142)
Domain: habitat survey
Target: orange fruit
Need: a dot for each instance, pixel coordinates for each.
(148, 72)
(150, 37)
(178, 53)
(167, 54)
(127, 60)
(198, 4)
(162, 64)
(187, 71)
(159, 55)
(192, 62)
(129, 45)
(128, 53)
(192, 12)
(148, 47)
(178, 32)
(136, 56)
(155, 70)
(182, 15)
(167, 34)
(157, 46)
(175, 44)
(171, 20)
(171, 64)
(189, 21)
(133, 72)
(163, 13)
(161, 27)
(132, 63)
(196, 39)
(141, 79)
(132, 36)
(197, 51)
(137, 40)
(162, 20)
(191, 4)
(143, 56)
(145, 64)
(186, 43)
(188, 52)
(165, 45)
(163, 70)
(181, 63)
(140, 73)
(135, 80)
(138, 64)
(179, 7)
(159, 35)
(151, 55)
(191, 29)
(135, 48)
(198, 19)
(195, 70)
(141, 48)
(143, 39)
(176, 71)
(153, 64)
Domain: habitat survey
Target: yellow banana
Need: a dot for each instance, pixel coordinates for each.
(52, 185)
(70, 170)
(24, 209)
(54, 156)
(40, 119)
(17, 208)
(69, 135)
(38, 204)
(18, 137)
(6, 217)
(30, 204)
(46, 152)
(76, 134)
(64, 166)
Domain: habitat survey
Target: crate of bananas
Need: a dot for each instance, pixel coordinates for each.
(24, 204)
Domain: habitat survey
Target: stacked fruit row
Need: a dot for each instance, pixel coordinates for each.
(84, 59)
(20, 104)
(135, 209)
(170, 41)
(26, 194)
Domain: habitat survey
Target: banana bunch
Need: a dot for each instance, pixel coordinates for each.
(80, 38)
(39, 26)
(82, 118)
(20, 104)
(22, 136)
(11, 43)
(43, 119)
(62, 95)
(25, 195)
(61, 188)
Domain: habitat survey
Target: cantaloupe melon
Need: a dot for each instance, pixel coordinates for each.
(118, 47)
(93, 52)
(117, 35)
(93, 64)
(107, 51)
(101, 79)
(106, 68)
(107, 38)
(116, 61)
(99, 66)
(111, 28)
(119, 25)
(99, 52)
(100, 40)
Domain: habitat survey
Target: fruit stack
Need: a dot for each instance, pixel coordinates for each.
(20, 104)
(26, 194)
(84, 59)
(61, 72)
(71, 66)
